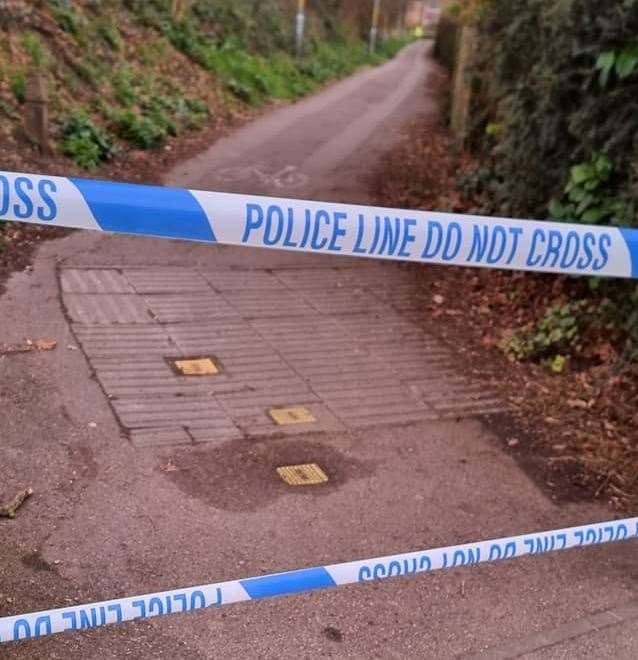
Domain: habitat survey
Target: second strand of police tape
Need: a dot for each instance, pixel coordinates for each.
(84, 617)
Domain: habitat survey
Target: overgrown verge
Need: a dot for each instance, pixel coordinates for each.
(553, 349)
(552, 132)
(127, 78)
(553, 124)
(130, 74)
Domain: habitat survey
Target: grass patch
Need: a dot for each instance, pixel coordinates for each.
(257, 78)
(137, 129)
(18, 85)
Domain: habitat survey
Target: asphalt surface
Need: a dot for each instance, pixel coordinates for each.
(106, 520)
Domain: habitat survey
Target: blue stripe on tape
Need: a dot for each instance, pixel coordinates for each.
(288, 583)
(93, 615)
(163, 212)
(631, 238)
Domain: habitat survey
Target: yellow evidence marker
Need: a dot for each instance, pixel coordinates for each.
(309, 474)
(293, 415)
(200, 367)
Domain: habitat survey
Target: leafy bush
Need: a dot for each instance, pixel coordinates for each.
(556, 334)
(389, 47)
(123, 87)
(587, 199)
(562, 80)
(87, 144)
(139, 130)
(89, 73)
(254, 78)
(65, 16)
(622, 63)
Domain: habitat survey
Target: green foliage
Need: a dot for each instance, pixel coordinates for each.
(389, 47)
(34, 48)
(561, 79)
(108, 32)
(246, 45)
(87, 144)
(587, 198)
(65, 16)
(557, 364)
(89, 73)
(144, 132)
(623, 63)
(123, 87)
(153, 108)
(8, 110)
(556, 333)
(151, 53)
(494, 129)
(18, 85)
(256, 78)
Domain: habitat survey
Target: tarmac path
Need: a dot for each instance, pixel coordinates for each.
(146, 480)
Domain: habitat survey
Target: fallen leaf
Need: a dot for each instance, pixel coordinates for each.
(488, 341)
(45, 344)
(577, 403)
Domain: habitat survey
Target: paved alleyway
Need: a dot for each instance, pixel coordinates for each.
(146, 479)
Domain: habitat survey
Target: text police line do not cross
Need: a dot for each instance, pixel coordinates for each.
(129, 608)
(319, 227)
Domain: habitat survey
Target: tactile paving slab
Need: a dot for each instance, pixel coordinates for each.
(338, 342)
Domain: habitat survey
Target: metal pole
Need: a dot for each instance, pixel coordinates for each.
(300, 25)
(374, 30)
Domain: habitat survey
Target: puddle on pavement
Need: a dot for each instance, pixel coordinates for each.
(242, 475)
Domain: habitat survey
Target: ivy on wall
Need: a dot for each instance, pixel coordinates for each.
(557, 95)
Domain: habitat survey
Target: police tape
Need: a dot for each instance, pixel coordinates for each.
(322, 227)
(95, 615)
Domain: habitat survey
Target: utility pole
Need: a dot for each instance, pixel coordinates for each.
(301, 24)
(374, 30)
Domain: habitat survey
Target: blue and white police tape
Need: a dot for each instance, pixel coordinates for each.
(83, 617)
(364, 231)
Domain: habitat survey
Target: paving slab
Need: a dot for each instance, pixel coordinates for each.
(279, 338)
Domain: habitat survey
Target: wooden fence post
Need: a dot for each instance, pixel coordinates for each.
(36, 112)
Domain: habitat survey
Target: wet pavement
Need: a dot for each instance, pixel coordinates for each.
(148, 479)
